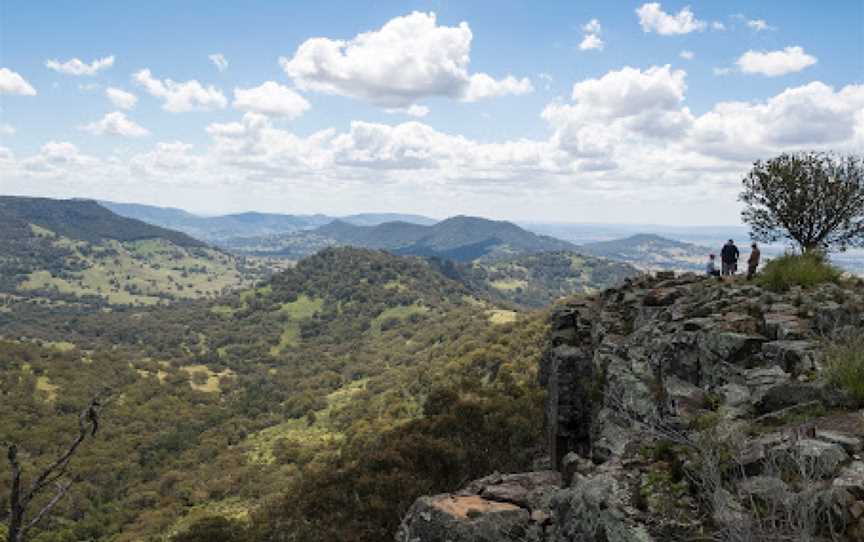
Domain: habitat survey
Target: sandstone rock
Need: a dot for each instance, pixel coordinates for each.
(470, 518)
(763, 379)
(735, 348)
(662, 297)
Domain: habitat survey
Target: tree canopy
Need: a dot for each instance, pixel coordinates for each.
(813, 198)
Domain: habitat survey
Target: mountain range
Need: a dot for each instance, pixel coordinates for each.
(217, 229)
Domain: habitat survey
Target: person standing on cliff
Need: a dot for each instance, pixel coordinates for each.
(729, 256)
(753, 261)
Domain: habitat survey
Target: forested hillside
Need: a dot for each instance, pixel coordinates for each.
(356, 369)
(78, 251)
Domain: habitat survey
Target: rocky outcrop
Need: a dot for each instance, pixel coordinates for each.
(676, 407)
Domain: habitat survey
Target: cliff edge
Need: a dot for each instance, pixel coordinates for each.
(681, 408)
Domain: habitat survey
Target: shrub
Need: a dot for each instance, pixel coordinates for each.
(805, 270)
(844, 367)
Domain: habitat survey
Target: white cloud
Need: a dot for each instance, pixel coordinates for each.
(12, 83)
(547, 80)
(717, 25)
(592, 27)
(413, 110)
(810, 116)
(722, 71)
(759, 25)
(407, 59)
(687, 55)
(120, 98)
(774, 63)
(77, 67)
(654, 19)
(219, 60)
(6, 129)
(181, 97)
(591, 42)
(115, 123)
(483, 86)
(270, 98)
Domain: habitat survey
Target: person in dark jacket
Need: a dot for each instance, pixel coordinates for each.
(753, 261)
(729, 256)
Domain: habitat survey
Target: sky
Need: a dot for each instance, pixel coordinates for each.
(576, 111)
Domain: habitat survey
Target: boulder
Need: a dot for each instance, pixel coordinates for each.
(465, 518)
(596, 509)
(787, 394)
(794, 357)
(851, 478)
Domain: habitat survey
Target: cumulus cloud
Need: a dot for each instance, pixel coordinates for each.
(12, 83)
(115, 123)
(407, 59)
(76, 66)
(652, 18)
(592, 27)
(775, 63)
(413, 111)
(591, 43)
(6, 129)
(687, 55)
(181, 97)
(219, 60)
(591, 40)
(483, 86)
(270, 98)
(120, 98)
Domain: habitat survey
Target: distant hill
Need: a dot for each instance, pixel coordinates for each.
(224, 230)
(77, 249)
(536, 280)
(649, 251)
(460, 238)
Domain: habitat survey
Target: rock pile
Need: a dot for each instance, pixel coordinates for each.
(681, 407)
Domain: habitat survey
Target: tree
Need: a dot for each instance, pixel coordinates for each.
(21, 497)
(813, 198)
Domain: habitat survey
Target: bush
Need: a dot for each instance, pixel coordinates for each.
(844, 367)
(805, 270)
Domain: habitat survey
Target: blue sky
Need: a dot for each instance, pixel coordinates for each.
(520, 122)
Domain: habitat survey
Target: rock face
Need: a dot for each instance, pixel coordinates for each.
(657, 387)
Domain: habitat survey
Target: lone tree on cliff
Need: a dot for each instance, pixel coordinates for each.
(813, 198)
(18, 516)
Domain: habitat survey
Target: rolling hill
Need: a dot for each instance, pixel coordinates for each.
(459, 238)
(75, 250)
(344, 364)
(650, 252)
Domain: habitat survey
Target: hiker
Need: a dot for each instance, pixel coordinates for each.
(711, 267)
(729, 257)
(753, 261)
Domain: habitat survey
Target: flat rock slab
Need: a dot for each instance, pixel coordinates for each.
(470, 506)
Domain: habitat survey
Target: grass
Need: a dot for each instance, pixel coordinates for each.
(397, 313)
(304, 307)
(500, 316)
(152, 267)
(45, 385)
(290, 337)
(211, 384)
(317, 436)
(805, 270)
(509, 285)
(844, 367)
